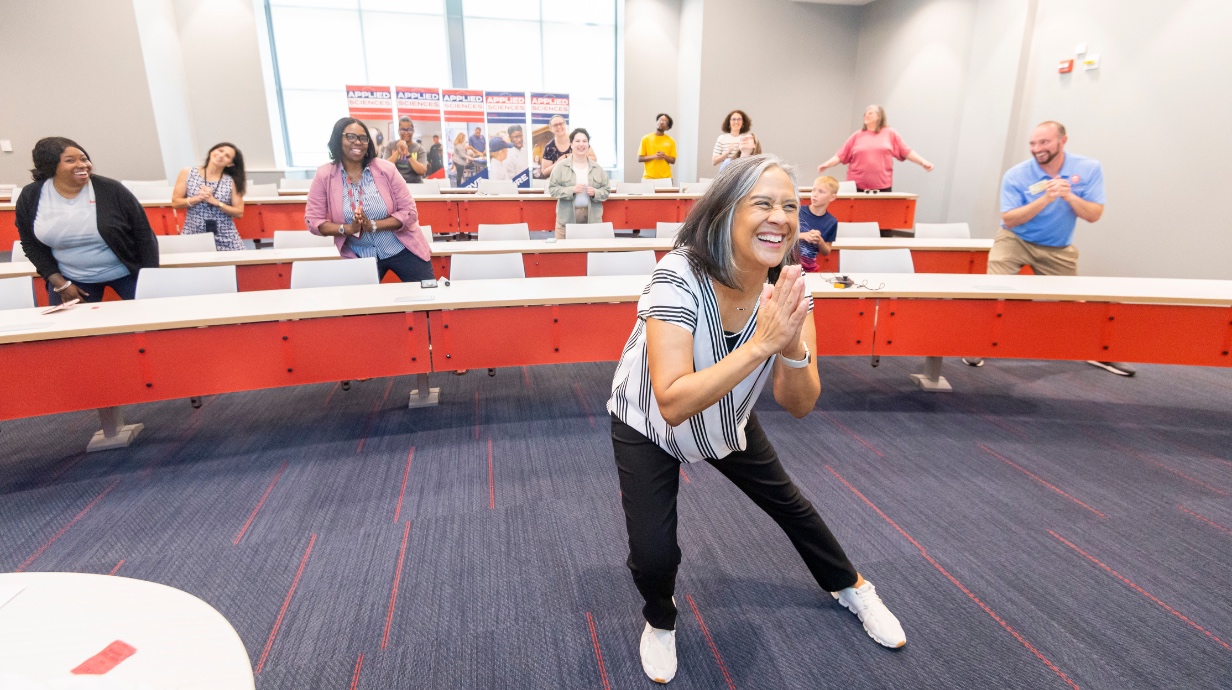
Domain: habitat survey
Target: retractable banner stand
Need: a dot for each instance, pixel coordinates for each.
(465, 143)
(507, 153)
(375, 106)
(423, 106)
(543, 107)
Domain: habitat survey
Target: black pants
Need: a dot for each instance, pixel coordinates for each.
(649, 480)
(125, 287)
(408, 267)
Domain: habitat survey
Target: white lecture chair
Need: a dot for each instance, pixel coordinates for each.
(18, 254)
(16, 192)
(695, 187)
(427, 233)
(311, 274)
(425, 187)
(851, 230)
(16, 293)
(637, 188)
(486, 266)
(261, 190)
(133, 184)
(875, 261)
(287, 184)
(847, 187)
(152, 192)
(180, 244)
(538, 184)
(508, 231)
(948, 231)
(494, 187)
(185, 282)
(665, 230)
(589, 231)
(299, 239)
(639, 263)
(660, 183)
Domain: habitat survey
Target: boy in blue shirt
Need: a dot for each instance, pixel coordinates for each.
(817, 225)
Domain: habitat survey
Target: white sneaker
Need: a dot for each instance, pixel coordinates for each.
(879, 623)
(659, 653)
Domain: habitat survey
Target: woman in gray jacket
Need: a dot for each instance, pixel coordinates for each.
(580, 185)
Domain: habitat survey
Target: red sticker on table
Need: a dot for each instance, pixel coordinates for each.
(104, 661)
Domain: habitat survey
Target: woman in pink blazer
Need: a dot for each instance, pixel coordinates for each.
(362, 202)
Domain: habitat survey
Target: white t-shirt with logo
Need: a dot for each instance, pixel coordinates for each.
(70, 228)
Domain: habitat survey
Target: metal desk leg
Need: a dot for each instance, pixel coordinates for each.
(115, 433)
(932, 380)
(424, 395)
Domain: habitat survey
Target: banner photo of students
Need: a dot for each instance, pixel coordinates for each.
(465, 145)
(543, 107)
(423, 107)
(507, 153)
(375, 106)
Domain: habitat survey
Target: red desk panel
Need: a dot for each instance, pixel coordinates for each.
(442, 216)
(163, 220)
(164, 365)
(8, 230)
(485, 338)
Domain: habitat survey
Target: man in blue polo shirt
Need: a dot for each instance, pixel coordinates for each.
(1041, 201)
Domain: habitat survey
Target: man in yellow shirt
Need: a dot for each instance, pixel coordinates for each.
(658, 151)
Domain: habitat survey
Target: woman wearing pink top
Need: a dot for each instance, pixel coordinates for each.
(362, 202)
(869, 153)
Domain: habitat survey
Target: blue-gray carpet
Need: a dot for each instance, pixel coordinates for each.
(1048, 525)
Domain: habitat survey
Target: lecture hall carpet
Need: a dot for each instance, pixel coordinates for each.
(1048, 525)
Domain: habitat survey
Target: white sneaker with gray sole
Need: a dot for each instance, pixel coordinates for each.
(879, 623)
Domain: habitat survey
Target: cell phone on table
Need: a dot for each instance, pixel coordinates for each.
(61, 306)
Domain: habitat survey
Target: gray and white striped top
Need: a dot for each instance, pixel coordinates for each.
(679, 296)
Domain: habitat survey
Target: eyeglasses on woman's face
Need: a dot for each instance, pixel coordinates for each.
(352, 138)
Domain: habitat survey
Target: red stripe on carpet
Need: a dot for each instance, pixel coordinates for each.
(1009, 462)
(393, 594)
(60, 472)
(116, 569)
(582, 399)
(851, 433)
(594, 640)
(992, 614)
(359, 666)
(376, 409)
(406, 473)
(286, 603)
(491, 480)
(476, 415)
(67, 527)
(331, 394)
(710, 641)
(1141, 591)
(260, 503)
(1207, 520)
(1152, 461)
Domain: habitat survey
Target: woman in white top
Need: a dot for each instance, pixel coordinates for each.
(579, 183)
(736, 131)
(724, 313)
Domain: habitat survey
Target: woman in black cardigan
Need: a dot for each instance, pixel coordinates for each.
(82, 232)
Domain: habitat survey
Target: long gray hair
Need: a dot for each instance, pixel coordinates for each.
(707, 231)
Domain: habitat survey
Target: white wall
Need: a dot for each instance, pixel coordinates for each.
(75, 69)
(1156, 115)
(651, 49)
(791, 66)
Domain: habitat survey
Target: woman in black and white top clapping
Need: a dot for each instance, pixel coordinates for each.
(724, 312)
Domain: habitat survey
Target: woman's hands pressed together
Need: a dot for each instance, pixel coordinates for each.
(781, 313)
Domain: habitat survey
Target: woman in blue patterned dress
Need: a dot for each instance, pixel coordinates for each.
(213, 196)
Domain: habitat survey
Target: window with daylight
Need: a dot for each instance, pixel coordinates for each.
(554, 46)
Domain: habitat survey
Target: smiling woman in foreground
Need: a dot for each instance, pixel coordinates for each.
(724, 312)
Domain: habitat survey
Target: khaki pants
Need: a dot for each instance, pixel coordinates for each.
(581, 214)
(1010, 253)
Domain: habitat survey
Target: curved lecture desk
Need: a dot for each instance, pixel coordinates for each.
(142, 634)
(463, 211)
(270, 269)
(118, 353)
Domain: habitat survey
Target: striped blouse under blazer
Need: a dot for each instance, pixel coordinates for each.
(325, 205)
(679, 296)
